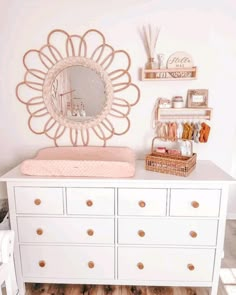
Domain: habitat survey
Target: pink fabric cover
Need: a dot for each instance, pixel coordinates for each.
(82, 161)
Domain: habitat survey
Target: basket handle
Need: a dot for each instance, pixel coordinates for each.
(187, 140)
(153, 140)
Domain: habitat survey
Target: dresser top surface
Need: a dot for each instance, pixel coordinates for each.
(205, 171)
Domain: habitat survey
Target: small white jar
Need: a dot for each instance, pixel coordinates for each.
(178, 102)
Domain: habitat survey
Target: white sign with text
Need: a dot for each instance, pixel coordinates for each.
(180, 60)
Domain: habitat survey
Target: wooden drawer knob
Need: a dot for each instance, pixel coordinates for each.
(89, 203)
(91, 264)
(195, 204)
(141, 233)
(90, 232)
(42, 263)
(193, 234)
(142, 204)
(191, 267)
(39, 231)
(37, 202)
(140, 265)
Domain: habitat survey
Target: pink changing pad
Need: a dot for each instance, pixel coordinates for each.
(82, 161)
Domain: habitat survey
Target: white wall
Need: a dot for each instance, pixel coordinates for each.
(206, 29)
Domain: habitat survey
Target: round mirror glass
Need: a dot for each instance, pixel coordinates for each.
(78, 93)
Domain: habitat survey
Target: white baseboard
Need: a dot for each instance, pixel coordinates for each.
(231, 216)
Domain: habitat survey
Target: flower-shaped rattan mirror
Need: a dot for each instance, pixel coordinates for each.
(76, 86)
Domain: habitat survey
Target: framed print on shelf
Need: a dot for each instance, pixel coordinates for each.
(197, 98)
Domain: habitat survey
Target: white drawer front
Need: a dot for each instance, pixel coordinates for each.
(142, 202)
(195, 202)
(170, 231)
(68, 262)
(165, 264)
(90, 201)
(66, 230)
(39, 200)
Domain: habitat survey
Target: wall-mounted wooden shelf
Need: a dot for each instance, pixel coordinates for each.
(169, 74)
(184, 113)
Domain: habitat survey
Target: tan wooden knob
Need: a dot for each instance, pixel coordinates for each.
(39, 231)
(90, 232)
(91, 264)
(191, 267)
(42, 263)
(142, 204)
(37, 202)
(141, 233)
(195, 204)
(193, 234)
(89, 203)
(140, 265)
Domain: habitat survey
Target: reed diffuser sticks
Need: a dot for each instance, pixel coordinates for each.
(150, 36)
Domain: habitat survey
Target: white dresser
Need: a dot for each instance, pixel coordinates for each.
(152, 229)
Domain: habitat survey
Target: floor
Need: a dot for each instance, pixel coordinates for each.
(227, 285)
(228, 269)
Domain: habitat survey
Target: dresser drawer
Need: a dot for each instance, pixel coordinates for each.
(39, 200)
(165, 264)
(66, 230)
(90, 201)
(170, 231)
(67, 262)
(142, 201)
(195, 202)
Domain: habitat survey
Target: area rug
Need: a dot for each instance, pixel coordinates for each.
(61, 289)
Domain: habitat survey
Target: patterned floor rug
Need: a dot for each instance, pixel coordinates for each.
(59, 289)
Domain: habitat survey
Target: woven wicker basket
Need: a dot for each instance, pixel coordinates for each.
(170, 164)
